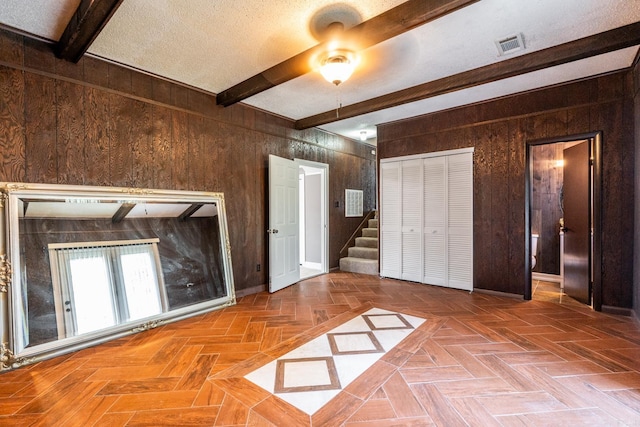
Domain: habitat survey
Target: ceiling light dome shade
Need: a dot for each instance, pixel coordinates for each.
(338, 66)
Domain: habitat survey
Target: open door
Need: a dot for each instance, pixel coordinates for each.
(577, 219)
(284, 229)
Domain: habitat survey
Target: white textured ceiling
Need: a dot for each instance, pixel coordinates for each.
(213, 45)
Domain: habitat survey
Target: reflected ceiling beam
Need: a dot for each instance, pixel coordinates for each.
(190, 211)
(391, 23)
(85, 25)
(122, 211)
(608, 41)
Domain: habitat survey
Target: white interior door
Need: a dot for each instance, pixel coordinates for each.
(435, 221)
(284, 227)
(411, 220)
(460, 221)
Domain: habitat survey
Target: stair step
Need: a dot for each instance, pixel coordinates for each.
(360, 252)
(373, 223)
(367, 242)
(369, 232)
(359, 265)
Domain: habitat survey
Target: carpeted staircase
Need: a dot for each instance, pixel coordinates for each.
(363, 257)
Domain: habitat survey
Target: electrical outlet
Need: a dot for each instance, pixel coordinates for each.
(258, 267)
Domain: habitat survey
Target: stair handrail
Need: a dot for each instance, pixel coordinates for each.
(352, 240)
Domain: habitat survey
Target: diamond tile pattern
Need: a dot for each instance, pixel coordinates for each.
(478, 360)
(333, 360)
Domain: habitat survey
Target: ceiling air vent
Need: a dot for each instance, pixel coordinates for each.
(510, 44)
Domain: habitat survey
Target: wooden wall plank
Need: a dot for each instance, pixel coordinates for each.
(70, 133)
(120, 78)
(12, 137)
(211, 149)
(142, 85)
(179, 150)
(499, 139)
(142, 145)
(162, 154)
(70, 70)
(242, 178)
(516, 158)
(40, 129)
(629, 172)
(11, 48)
(197, 163)
(97, 137)
(37, 56)
(636, 253)
(96, 72)
(121, 124)
(482, 209)
(617, 241)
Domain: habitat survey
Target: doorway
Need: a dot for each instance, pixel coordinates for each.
(562, 220)
(313, 179)
(290, 226)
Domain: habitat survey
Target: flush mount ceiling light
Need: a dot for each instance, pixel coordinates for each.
(338, 65)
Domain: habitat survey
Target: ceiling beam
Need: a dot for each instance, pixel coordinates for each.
(122, 211)
(391, 23)
(190, 211)
(608, 41)
(85, 25)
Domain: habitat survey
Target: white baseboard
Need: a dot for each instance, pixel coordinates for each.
(546, 277)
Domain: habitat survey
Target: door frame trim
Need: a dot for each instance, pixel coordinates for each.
(595, 152)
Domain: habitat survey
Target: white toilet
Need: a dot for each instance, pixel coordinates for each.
(534, 249)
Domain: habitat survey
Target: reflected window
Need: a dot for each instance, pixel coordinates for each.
(102, 284)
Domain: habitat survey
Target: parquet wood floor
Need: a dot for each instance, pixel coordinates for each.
(480, 360)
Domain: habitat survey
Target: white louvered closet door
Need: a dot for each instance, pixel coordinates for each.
(435, 221)
(390, 225)
(412, 220)
(460, 221)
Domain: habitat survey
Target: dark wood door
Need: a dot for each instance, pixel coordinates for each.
(577, 283)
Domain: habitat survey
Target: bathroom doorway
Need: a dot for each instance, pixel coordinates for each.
(313, 211)
(562, 220)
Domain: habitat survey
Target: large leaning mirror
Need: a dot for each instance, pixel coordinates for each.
(82, 265)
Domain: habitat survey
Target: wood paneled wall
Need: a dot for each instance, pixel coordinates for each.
(499, 130)
(94, 123)
(636, 252)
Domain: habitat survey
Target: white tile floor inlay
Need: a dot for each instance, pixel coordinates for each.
(314, 373)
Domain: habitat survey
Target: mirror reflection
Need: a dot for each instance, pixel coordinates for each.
(86, 265)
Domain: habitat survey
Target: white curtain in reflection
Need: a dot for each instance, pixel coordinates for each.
(91, 303)
(138, 274)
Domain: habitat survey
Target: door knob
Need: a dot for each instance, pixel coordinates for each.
(272, 231)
